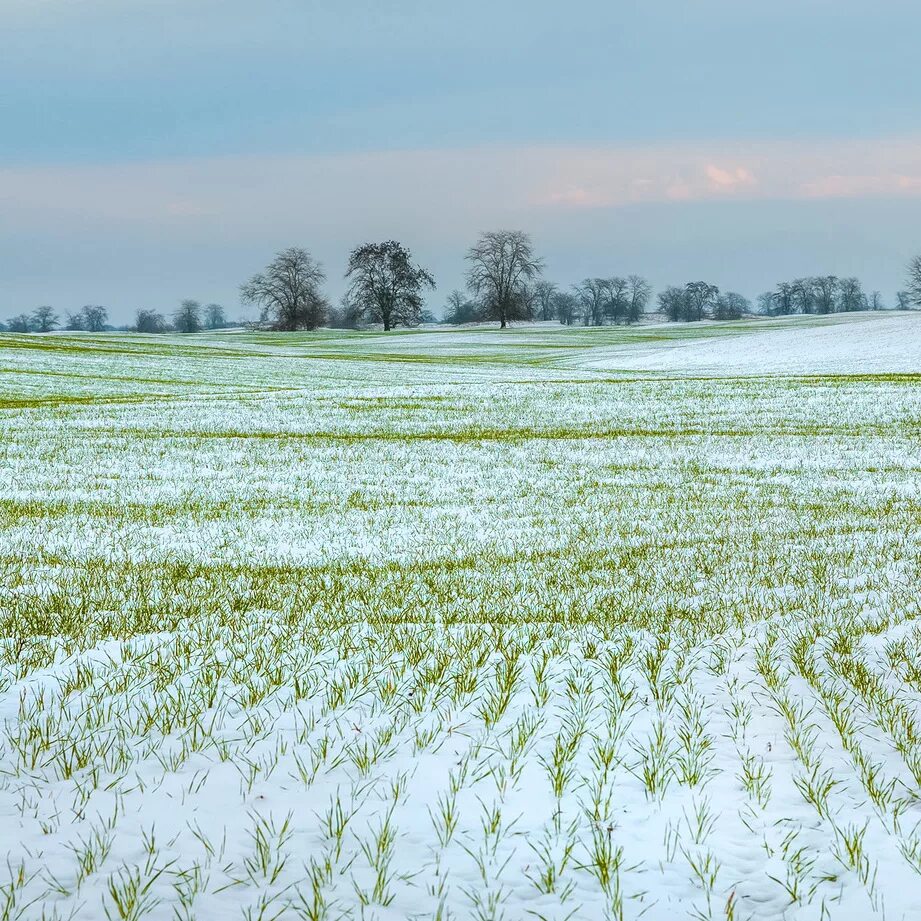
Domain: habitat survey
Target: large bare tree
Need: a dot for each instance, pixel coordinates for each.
(502, 263)
(385, 285)
(288, 292)
(913, 288)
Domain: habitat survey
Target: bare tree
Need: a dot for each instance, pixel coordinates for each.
(544, 296)
(44, 319)
(803, 295)
(526, 305)
(639, 291)
(620, 300)
(784, 299)
(825, 291)
(345, 316)
(95, 317)
(594, 297)
(461, 309)
(700, 298)
(385, 285)
(903, 300)
(731, 306)
(455, 307)
(214, 316)
(92, 319)
(913, 286)
(766, 303)
(21, 323)
(566, 307)
(617, 303)
(502, 262)
(187, 317)
(672, 303)
(822, 294)
(851, 295)
(288, 292)
(149, 321)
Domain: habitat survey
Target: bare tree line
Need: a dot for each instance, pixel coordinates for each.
(188, 317)
(504, 283)
(824, 294)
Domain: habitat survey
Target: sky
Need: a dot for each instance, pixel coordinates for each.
(154, 150)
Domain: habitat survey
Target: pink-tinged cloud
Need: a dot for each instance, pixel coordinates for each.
(440, 193)
(887, 168)
(572, 196)
(729, 178)
(679, 191)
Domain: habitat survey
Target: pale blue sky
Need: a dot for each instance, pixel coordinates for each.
(157, 149)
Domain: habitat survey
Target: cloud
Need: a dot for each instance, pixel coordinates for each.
(886, 185)
(432, 192)
(729, 178)
(573, 196)
(743, 171)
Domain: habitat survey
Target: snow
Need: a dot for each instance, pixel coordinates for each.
(636, 607)
(857, 343)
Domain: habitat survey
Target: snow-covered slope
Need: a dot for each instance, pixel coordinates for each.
(856, 344)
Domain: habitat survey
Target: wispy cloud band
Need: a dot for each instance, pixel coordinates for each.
(435, 189)
(792, 170)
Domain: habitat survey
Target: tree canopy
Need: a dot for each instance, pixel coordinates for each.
(385, 286)
(288, 292)
(501, 265)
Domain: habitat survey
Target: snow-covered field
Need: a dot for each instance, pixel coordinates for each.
(552, 624)
(856, 343)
